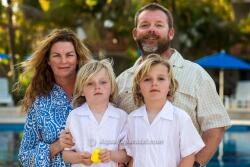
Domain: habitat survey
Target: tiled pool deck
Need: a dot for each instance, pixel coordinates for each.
(11, 119)
(12, 115)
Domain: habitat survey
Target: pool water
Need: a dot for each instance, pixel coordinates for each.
(9, 145)
(10, 138)
(236, 147)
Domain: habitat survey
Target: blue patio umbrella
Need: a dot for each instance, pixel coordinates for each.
(4, 56)
(222, 61)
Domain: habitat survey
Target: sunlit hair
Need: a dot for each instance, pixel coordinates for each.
(88, 71)
(42, 77)
(153, 7)
(143, 70)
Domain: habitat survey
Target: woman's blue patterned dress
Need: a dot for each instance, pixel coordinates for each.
(45, 120)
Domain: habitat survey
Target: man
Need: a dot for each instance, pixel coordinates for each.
(196, 94)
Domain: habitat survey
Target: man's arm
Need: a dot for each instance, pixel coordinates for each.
(212, 139)
(187, 161)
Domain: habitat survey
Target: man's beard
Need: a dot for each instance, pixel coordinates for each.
(159, 46)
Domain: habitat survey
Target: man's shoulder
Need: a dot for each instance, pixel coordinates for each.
(195, 69)
(178, 60)
(193, 65)
(130, 71)
(126, 72)
(180, 113)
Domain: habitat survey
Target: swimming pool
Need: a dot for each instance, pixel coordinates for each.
(236, 147)
(10, 137)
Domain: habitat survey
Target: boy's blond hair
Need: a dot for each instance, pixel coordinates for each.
(143, 70)
(86, 72)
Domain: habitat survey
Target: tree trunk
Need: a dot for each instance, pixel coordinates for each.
(13, 61)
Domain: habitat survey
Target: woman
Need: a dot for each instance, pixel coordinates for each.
(47, 100)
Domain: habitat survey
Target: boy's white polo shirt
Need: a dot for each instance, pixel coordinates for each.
(88, 134)
(170, 137)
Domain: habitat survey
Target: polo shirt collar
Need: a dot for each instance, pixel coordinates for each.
(167, 112)
(112, 111)
(84, 110)
(176, 59)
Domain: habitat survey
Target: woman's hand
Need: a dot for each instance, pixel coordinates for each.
(65, 140)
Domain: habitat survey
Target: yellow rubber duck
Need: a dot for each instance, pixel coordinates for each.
(95, 156)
